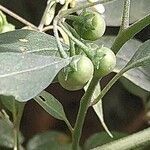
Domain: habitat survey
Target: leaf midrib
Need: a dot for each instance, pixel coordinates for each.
(28, 70)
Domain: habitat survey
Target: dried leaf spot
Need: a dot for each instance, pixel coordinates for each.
(23, 49)
(23, 40)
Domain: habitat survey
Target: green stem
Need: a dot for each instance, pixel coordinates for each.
(16, 145)
(125, 17)
(128, 33)
(130, 142)
(78, 42)
(62, 53)
(72, 30)
(69, 126)
(84, 104)
(108, 86)
(17, 115)
(72, 48)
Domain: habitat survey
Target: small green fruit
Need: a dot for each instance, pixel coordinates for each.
(74, 78)
(92, 28)
(106, 62)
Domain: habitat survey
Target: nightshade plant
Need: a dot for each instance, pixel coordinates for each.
(31, 59)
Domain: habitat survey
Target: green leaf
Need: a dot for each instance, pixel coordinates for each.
(141, 80)
(8, 102)
(51, 105)
(98, 108)
(134, 89)
(49, 140)
(139, 9)
(26, 75)
(29, 41)
(130, 32)
(140, 58)
(101, 138)
(7, 135)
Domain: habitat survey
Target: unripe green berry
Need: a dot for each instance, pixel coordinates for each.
(75, 78)
(106, 62)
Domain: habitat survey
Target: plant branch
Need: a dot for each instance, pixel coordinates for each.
(130, 32)
(78, 42)
(50, 27)
(17, 115)
(109, 85)
(72, 48)
(125, 17)
(62, 53)
(84, 104)
(17, 17)
(130, 142)
(69, 126)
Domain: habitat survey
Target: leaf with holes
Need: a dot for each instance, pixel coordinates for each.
(51, 105)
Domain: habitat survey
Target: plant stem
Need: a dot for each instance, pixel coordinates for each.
(17, 115)
(17, 17)
(69, 126)
(129, 32)
(108, 86)
(130, 142)
(78, 42)
(125, 17)
(72, 48)
(84, 104)
(50, 27)
(62, 53)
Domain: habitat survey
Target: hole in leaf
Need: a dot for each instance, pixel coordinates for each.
(42, 98)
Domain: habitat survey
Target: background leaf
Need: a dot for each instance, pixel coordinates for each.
(142, 56)
(101, 138)
(139, 9)
(49, 140)
(26, 75)
(29, 41)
